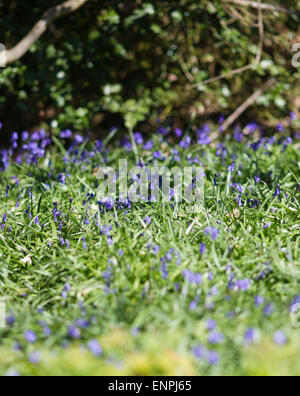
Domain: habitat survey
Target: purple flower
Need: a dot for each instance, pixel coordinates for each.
(203, 138)
(238, 136)
(215, 338)
(138, 138)
(83, 323)
(199, 352)
(269, 309)
(25, 136)
(35, 357)
(277, 191)
(202, 249)
(231, 168)
(259, 300)
(148, 220)
(243, 284)
(280, 338)
(108, 203)
(214, 291)
(30, 336)
(11, 373)
(67, 134)
(211, 325)
(249, 336)
(67, 288)
(14, 137)
(252, 127)
(156, 249)
(78, 139)
(212, 232)
(178, 132)
(148, 146)
(95, 348)
(280, 127)
(10, 320)
(186, 142)
(74, 332)
(191, 277)
(158, 155)
(62, 178)
(213, 358)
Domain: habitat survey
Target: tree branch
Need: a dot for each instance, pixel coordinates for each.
(40, 27)
(249, 102)
(265, 7)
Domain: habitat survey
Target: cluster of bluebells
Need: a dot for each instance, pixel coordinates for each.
(83, 154)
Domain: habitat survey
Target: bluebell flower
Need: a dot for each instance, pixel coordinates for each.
(35, 357)
(277, 191)
(211, 325)
(10, 320)
(67, 134)
(280, 127)
(138, 137)
(252, 127)
(186, 142)
(212, 232)
(30, 336)
(268, 310)
(199, 352)
(213, 358)
(62, 178)
(249, 336)
(178, 132)
(202, 249)
(82, 323)
(156, 249)
(78, 139)
(95, 348)
(148, 220)
(74, 332)
(243, 284)
(215, 338)
(149, 146)
(280, 338)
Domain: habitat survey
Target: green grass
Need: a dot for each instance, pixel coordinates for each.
(35, 268)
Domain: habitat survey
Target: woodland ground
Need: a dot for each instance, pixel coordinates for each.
(94, 289)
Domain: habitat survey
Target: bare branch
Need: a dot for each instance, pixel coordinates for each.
(249, 102)
(40, 27)
(185, 69)
(224, 76)
(265, 7)
(261, 34)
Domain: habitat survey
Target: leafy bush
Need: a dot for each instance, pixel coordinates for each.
(135, 59)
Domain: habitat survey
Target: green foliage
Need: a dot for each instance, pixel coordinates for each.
(132, 60)
(144, 321)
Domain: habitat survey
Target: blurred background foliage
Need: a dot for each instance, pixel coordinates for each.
(136, 61)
